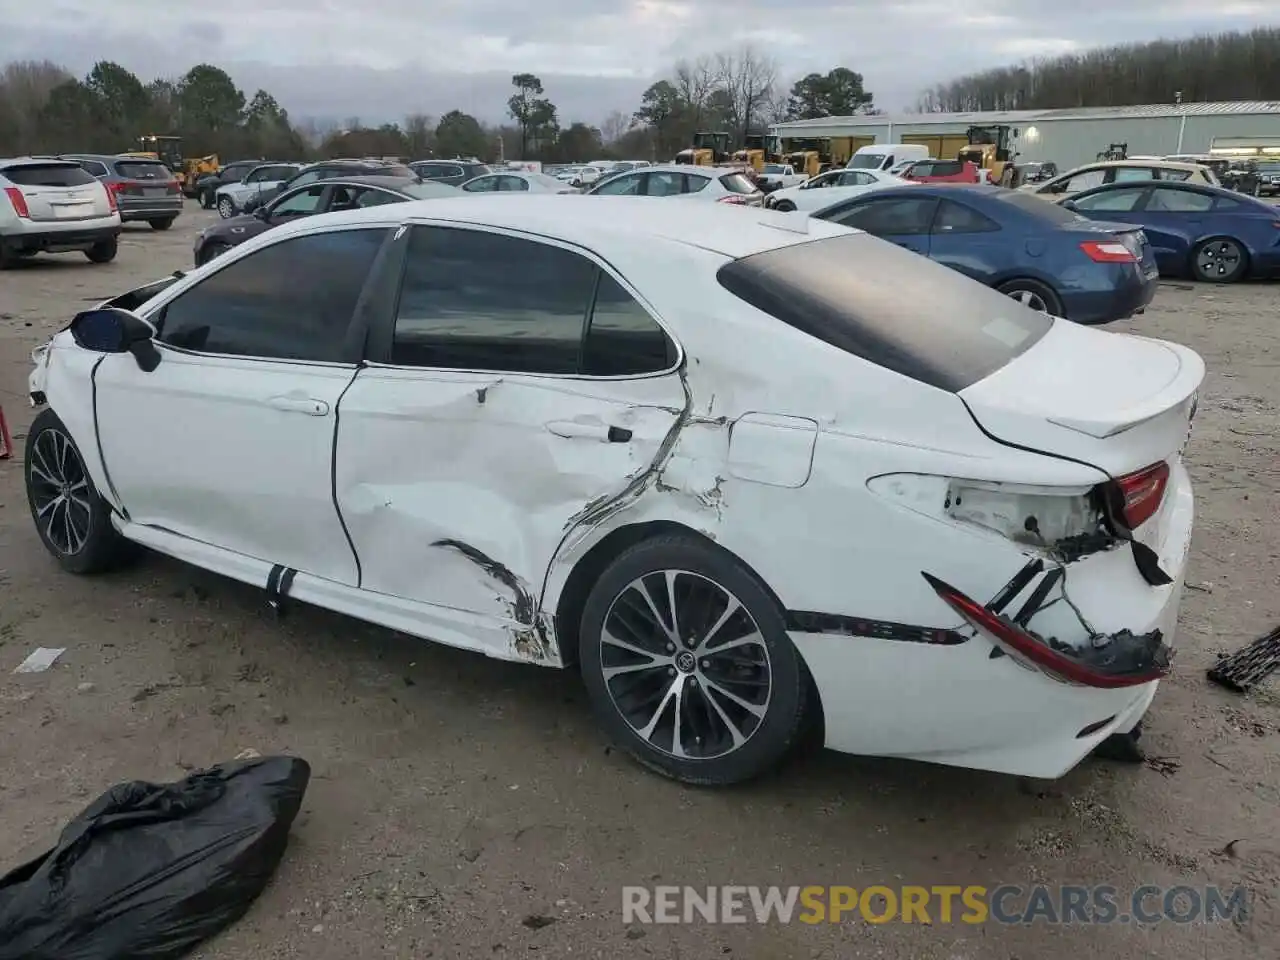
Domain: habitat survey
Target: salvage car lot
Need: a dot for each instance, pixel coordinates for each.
(456, 798)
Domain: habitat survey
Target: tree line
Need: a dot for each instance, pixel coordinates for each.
(44, 109)
(1226, 66)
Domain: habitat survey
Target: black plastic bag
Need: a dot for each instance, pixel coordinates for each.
(148, 871)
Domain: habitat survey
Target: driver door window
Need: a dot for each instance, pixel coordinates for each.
(628, 186)
(891, 216)
(1084, 181)
(290, 301)
(300, 204)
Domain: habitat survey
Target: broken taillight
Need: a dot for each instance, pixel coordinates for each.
(1017, 641)
(1143, 493)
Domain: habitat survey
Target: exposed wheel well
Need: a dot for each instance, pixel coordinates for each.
(573, 596)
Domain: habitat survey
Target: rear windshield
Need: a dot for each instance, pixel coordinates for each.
(737, 183)
(143, 170)
(47, 175)
(867, 161)
(1038, 206)
(889, 306)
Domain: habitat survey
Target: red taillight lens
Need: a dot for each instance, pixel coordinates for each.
(1108, 251)
(175, 186)
(112, 188)
(1017, 641)
(1143, 493)
(19, 202)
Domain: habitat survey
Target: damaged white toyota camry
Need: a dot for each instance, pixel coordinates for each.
(742, 470)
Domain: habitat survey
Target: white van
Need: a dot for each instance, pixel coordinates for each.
(883, 156)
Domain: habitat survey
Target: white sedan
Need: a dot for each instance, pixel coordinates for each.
(682, 181)
(684, 449)
(826, 188)
(517, 181)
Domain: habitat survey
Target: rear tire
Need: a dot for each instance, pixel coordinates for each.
(162, 224)
(1219, 260)
(104, 251)
(7, 257)
(1033, 294)
(72, 519)
(684, 706)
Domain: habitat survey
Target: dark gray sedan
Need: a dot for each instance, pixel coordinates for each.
(144, 189)
(321, 196)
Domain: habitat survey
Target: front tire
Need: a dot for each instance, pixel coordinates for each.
(104, 251)
(226, 208)
(784, 206)
(72, 519)
(1219, 260)
(688, 664)
(210, 251)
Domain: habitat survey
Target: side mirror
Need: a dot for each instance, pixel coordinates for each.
(113, 330)
(262, 213)
(1068, 204)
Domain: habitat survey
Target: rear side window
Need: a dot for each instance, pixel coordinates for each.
(693, 184)
(471, 300)
(737, 183)
(622, 339)
(948, 332)
(47, 175)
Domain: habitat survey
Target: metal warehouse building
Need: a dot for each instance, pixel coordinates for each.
(1068, 137)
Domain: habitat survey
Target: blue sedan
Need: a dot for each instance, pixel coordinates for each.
(1207, 233)
(1022, 245)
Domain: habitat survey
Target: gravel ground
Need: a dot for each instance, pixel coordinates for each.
(467, 808)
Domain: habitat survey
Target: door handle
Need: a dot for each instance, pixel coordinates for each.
(308, 405)
(573, 429)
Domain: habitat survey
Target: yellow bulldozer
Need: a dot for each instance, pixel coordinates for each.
(708, 149)
(991, 149)
(752, 153)
(168, 150)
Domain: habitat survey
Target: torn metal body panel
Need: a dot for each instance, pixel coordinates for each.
(458, 488)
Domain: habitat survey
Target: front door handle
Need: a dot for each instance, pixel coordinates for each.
(308, 405)
(572, 429)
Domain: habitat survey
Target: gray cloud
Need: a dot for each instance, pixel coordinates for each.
(381, 59)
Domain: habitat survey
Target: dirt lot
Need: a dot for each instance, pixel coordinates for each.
(455, 798)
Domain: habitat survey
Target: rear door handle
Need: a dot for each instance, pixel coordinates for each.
(308, 405)
(571, 429)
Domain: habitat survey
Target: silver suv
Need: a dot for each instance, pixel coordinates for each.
(54, 206)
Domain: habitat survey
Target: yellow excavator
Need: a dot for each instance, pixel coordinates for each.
(752, 153)
(168, 149)
(991, 149)
(708, 149)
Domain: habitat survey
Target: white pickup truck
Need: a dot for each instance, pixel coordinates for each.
(775, 176)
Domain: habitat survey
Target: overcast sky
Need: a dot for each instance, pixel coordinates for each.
(381, 59)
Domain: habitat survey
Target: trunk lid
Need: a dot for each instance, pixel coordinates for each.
(58, 190)
(1115, 401)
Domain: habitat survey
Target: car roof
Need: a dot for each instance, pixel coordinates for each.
(1196, 186)
(1145, 162)
(730, 230)
(22, 161)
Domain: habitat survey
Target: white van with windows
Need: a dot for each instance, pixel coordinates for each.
(885, 156)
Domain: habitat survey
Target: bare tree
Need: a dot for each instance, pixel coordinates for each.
(615, 126)
(747, 75)
(774, 107)
(25, 86)
(695, 83)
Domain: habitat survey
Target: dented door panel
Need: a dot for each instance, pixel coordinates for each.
(458, 488)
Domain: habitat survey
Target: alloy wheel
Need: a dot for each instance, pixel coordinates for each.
(60, 492)
(226, 208)
(1218, 259)
(684, 663)
(1029, 298)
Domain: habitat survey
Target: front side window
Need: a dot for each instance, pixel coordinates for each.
(1085, 181)
(483, 301)
(890, 216)
(620, 187)
(311, 176)
(292, 300)
(298, 204)
(259, 175)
